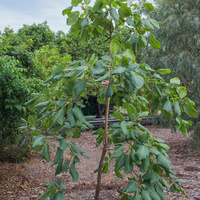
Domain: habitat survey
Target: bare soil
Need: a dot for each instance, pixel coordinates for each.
(24, 181)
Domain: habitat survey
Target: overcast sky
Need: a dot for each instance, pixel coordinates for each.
(15, 13)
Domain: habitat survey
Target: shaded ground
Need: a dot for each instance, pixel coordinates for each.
(25, 181)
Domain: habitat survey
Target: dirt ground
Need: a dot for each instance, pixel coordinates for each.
(25, 181)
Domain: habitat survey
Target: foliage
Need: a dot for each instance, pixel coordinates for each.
(48, 58)
(180, 39)
(40, 35)
(117, 75)
(18, 79)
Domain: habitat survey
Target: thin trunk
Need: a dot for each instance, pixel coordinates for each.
(105, 144)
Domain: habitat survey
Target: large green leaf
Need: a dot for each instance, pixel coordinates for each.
(84, 23)
(78, 114)
(118, 173)
(167, 106)
(42, 104)
(80, 87)
(190, 110)
(119, 70)
(73, 172)
(115, 46)
(59, 156)
(124, 127)
(120, 161)
(146, 195)
(109, 90)
(155, 43)
(154, 23)
(114, 13)
(124, 11)
(75, 2)
(59, 196)
(177, 108)
(128, 164)
(142, 41)
(45, 153)
(129, 54)
(70, 117)
(97, 6)
(67, 10)
(59, 168)
(136, 80)
(164, 71)
(60, 117)
(63, 144)
(148, 6)
(132, 187)
(65, 165)
(118, 152)
(73, 18)
(76, 149)
(118, 115)
(142, 152)
(38, 141)
(152, 176)
(163, 161)
(182, 92)
(153, 193)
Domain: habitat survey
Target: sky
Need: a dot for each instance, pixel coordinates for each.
(15, 13)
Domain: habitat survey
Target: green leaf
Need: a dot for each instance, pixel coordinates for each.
(60, 117)
(134, 38)
(148, 6)
(38, 141)
(118, 115)
(84, 23)
(73, 172)
(118, 152)
(124, 128)
(73, 18)
(87, 2)
(75, 2)
(42, 104)
(142, 152)
(63, 144)
(154, 23)
(59, 168)
(124, 11)
(67, 10)
(50, 184)
(146, 195)
(114, 13)
(109, 90)
(104, 77)
(155, 43)
(115, 46)
(136, 80)
(45, 195)
(78, 114)
(97, 6)
(118, 173)
(175, 80)
(120, 161)
(177, 108)
(80, 87)
(190, 110)
(163, 161)
(132, 187)
(66, 165)
(45, 153)
(119, 70)
(143, 114)
(59, 196)
(76, 149)
(164, 71)
(59, 156)
(164, 146)
(167, 106)
(58, 69)
(142, 41)
(153, 193)
(182, 92)
(129, 54)
(128, 164)
(23, 142)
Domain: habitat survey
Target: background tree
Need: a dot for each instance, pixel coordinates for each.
(180, 46)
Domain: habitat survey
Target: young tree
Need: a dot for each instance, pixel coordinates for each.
(117, 75)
